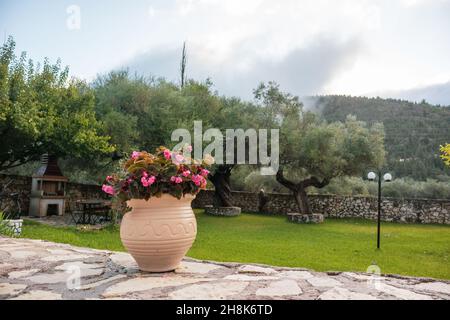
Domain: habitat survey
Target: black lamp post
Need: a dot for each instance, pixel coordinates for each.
(387, 178)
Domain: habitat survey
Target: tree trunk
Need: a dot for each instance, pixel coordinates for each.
(262, 200)
(221, 181)
(299, 189)
(301, 198)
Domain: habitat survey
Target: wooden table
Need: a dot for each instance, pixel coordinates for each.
(89, 207)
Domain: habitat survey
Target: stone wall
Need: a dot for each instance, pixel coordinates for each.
(401, 210)
(77, 191)
(398, 210)
(22, 185)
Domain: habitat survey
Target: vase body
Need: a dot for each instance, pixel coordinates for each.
(159, 232)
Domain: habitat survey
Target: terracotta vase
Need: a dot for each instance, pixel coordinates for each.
(159, 232)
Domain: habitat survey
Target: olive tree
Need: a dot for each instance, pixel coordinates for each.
(42, 111)
(313, 152)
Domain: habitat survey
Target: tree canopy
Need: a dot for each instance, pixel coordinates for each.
(42, 111)
(311, 149)
(151, 109)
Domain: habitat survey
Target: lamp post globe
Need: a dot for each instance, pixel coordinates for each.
(387, 177)
(371, 176)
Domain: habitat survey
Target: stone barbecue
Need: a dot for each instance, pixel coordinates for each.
(48, 187)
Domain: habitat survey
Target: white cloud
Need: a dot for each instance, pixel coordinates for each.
(438, 93)
(413, 3)
(151, 11)
(303, 70)
(320, 46)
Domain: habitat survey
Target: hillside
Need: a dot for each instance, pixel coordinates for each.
(414, 131)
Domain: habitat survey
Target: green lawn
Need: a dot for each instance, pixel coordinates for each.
(420, 250)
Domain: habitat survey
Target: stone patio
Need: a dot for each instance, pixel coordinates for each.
(35, 269)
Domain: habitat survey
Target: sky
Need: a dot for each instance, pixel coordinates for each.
(388, 48)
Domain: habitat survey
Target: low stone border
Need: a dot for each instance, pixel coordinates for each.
(15, 226)
(392, 210)
(223, 211)
(305, 218)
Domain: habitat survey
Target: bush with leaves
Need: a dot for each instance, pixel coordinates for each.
(5, 229)
(446, 153)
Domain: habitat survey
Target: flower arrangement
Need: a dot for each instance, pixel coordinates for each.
(145, 175)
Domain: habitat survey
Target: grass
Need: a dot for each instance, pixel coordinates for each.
(339, 245)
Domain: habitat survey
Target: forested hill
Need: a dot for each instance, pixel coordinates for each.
(414, 131)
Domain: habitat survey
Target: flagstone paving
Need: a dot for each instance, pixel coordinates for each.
(35, 269)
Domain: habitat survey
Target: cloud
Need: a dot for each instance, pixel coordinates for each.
(302, 71)
(300, 44)
(308, 46)
(434, 94)
(413, 3)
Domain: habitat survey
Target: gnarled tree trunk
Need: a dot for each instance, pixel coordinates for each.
(301, 198)
(299, 189)
(221, 181)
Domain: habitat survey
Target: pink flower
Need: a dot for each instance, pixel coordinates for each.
(167, 154)
(186, 173)
(135, 155)
(197, 179)
(204, 172)
(146, 182)
(189, 148)
(178, 159)
(151, 180)
(176, 179)
(144, 174)
(109, 178)
(108, 189)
